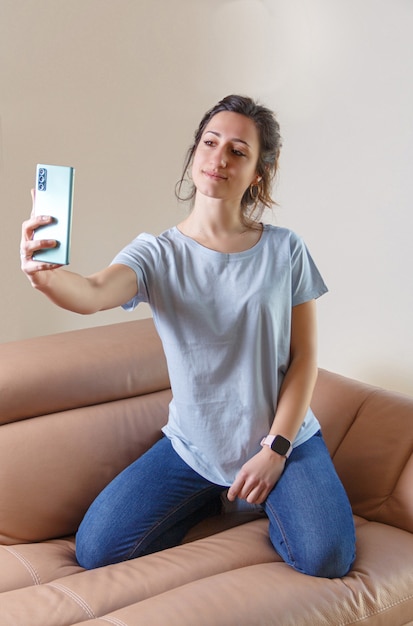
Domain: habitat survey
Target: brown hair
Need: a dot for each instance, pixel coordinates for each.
(257, 198)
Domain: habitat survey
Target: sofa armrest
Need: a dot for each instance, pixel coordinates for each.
(369, 432)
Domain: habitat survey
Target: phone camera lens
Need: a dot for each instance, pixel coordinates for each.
(41, 179)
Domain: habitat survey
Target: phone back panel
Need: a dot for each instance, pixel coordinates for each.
(54, 196)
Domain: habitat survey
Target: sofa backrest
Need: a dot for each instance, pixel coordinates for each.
(80, 368)
(77, 407)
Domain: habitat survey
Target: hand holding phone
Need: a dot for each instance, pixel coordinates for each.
(54, 197)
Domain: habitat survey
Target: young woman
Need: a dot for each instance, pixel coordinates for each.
(234, 304)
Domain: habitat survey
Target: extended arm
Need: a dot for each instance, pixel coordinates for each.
(259, 475)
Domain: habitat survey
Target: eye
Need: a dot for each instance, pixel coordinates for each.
(238, 153)
(208, 142)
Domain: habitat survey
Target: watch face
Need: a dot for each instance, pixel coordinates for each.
(280, 445)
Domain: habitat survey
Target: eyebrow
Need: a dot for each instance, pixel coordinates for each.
(236, 139)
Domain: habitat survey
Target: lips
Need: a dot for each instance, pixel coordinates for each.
(214, 175)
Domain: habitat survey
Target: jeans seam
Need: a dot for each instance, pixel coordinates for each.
(275, 517)
(165, 518)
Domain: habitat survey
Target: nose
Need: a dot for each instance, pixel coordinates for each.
(220, 159)
(223, 158)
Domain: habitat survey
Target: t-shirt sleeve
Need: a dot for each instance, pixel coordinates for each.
(140, 256)
(307, 282)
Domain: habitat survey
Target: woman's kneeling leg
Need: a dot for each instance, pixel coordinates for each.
(311, 521)
(149, 506)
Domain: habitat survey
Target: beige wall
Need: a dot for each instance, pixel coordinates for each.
(116, 88)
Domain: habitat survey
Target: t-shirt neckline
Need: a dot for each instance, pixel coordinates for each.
(229, 255)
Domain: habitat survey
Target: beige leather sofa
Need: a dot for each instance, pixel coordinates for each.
(79, 406)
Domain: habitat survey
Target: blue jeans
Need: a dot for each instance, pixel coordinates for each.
(153, 503)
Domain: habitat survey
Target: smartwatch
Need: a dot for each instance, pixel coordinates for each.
(278, 444)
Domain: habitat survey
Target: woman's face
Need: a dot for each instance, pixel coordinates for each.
(226, 157)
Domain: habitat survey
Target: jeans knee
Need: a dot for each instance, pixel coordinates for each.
(318, 556)
(330, 562)
(87, 556)
(96, 549)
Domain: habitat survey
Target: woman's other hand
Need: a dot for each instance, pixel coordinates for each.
(257, 477)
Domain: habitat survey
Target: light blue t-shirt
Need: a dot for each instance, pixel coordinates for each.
(225, 322)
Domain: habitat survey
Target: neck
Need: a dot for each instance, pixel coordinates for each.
(220, 226)
(216, 216)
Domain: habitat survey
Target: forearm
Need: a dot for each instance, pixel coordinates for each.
(103, 290)
(68, 290)
(258, 476)
(295, 397)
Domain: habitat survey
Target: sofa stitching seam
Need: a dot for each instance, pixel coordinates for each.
(353, 421)
(114, 620)
(382, 610)
(74, 596)
(393, 489)
(34, 574)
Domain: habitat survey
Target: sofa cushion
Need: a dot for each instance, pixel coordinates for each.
(92, 593)
(53, 466)
(31, 564)
(224, 580)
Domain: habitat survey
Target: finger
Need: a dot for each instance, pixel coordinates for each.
(30, 225)
(43, 266)
(235, 489)
(31, 266)
(246, 491)
(26, 255)
(257, 496)
(30, 247)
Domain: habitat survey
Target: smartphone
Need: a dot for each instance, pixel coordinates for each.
(54, 196)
